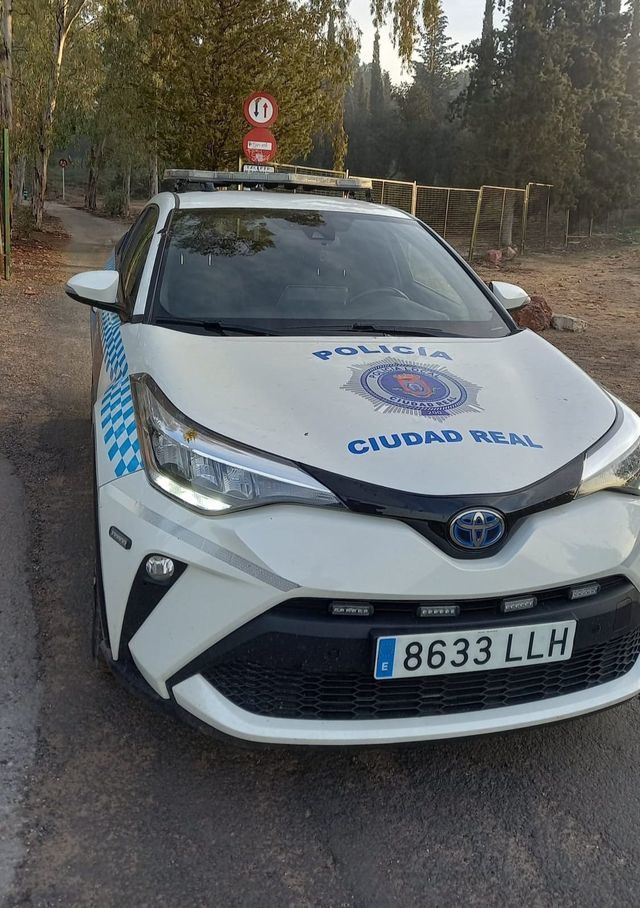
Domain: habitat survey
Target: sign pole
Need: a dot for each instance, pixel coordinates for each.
(63, 162)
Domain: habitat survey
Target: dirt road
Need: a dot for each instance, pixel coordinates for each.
(124, 807)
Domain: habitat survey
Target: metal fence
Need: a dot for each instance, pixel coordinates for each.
(581, 228)
(475, 221)
(472, 220)
(449, 211)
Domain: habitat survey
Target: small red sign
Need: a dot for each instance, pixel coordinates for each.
(259, 146)
(260, 109)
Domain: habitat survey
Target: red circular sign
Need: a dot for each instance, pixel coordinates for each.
(260, 109)
(259, 146)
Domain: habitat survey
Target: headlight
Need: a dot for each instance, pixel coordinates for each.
(210, 474)
(614, 463)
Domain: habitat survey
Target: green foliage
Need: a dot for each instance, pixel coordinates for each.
(204, 59)
(115, 203)
(427, 150)
(406, 16)
(551, 95)
(372, 121)
(549, 101)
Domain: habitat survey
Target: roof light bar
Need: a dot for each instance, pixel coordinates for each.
(208, 180)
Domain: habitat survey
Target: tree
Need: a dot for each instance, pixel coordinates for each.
(610, 119)
(59, 18)
(406, 17)
(522, 112)
(119, 126)
(372, 120)
(208, 58)
(428, 138)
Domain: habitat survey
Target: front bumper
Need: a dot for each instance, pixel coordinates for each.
(240, 567)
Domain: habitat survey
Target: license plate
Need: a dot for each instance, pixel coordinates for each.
(414, 655)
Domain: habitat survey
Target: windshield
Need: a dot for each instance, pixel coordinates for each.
(307, 271)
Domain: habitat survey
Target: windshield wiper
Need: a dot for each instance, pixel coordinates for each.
(216, 327)
(372, 328)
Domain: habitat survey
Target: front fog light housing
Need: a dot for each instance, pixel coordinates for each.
(160, 567)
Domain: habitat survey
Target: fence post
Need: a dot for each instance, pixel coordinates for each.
(525, 216)
(414, 198)
(6, 204)
(566, 229)
(476, 224)
(546, 220)
(446, 214)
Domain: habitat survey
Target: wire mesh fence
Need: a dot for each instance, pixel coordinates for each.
(499, 220)
(476, 221)
(396, 193)
(580, 227)
(450, 212)
(538, 215)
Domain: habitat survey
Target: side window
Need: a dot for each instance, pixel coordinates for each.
(135, 255)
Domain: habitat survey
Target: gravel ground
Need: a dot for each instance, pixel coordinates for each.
(602, 287)
(126, 807)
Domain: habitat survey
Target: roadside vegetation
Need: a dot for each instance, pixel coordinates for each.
(549, 92)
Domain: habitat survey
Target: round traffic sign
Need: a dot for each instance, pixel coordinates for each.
(63, 163)
(260, 109)
(259, 145)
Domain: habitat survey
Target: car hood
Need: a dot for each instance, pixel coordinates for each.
(450, 416)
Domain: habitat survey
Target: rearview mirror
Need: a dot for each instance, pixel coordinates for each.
(511, 296)
(95, 288)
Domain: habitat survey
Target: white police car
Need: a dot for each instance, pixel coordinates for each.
(341, 498)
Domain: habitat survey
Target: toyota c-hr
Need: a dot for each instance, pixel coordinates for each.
(341, 497)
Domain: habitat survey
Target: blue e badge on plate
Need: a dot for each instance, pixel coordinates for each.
(385, 656)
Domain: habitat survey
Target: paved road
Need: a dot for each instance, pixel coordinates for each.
(127, 807)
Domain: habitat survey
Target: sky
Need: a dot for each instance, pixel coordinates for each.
(465, 23)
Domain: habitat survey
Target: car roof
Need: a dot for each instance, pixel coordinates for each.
(283, 200)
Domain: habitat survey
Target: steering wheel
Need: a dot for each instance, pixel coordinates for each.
(377, 290)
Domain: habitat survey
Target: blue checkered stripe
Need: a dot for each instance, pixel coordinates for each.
(112, 346)
(117, 418)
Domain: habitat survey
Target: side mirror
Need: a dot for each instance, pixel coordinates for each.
(511, 296)
(95, 288)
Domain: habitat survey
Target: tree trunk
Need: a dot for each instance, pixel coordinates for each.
(633, 51)
(19, 175)
(508, 216)
(126, 190)
(96, 154)
(40, 172)
(6, 65)
(154, 183)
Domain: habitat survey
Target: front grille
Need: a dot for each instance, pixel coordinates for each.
(298, 694)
